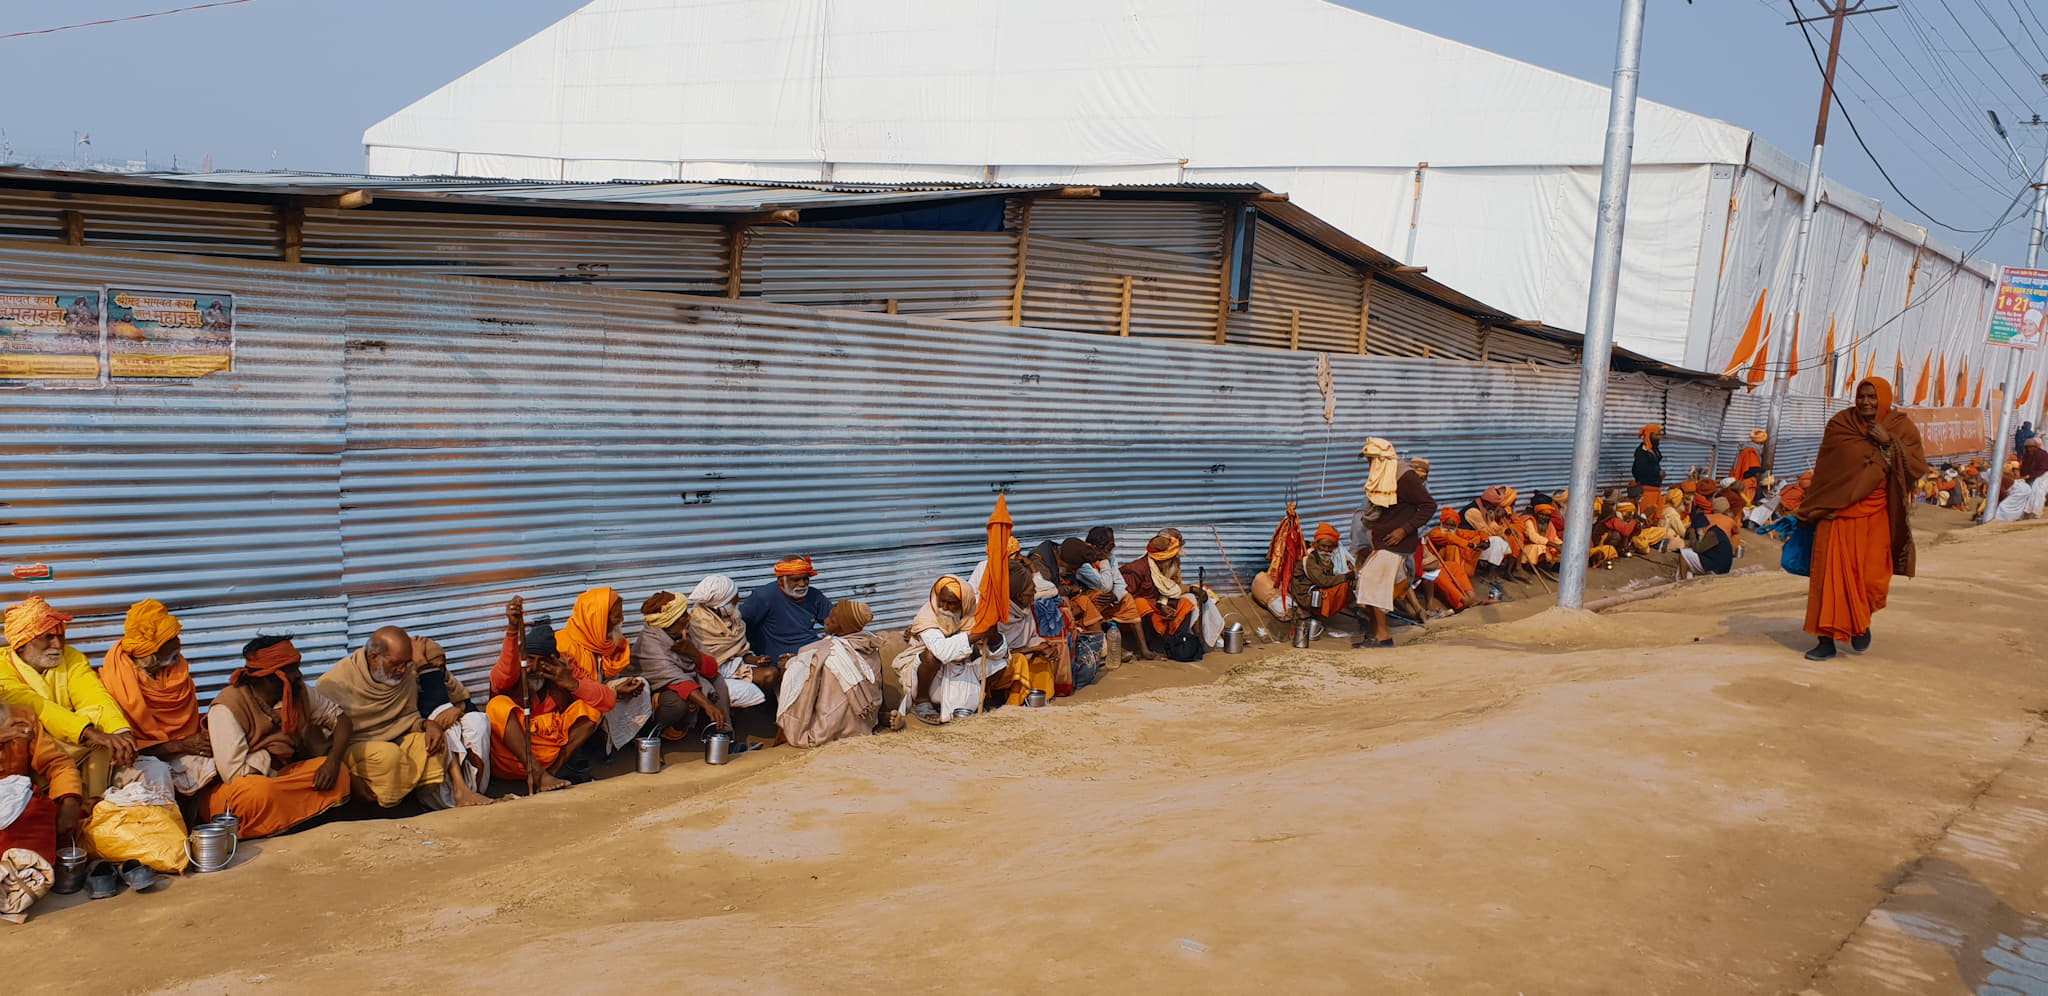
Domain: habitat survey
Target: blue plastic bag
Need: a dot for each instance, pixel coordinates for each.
(1798, 555)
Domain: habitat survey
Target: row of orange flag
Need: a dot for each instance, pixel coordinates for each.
(1754, 349)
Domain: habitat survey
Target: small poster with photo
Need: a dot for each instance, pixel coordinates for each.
(51, 338)
(169, 335)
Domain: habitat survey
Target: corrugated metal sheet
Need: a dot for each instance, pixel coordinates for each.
(1192, 228)
(1326, 307)
(684, 258)
(219, 497)
(249, 231)
(413, 449)
(963, 275)
(1403, 324)
(1079, 285)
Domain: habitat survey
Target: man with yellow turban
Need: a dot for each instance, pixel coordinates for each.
(786, 617)
(148, 676)
(55, 681)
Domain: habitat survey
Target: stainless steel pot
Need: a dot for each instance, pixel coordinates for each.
(717, 747)
(1233, 638)
(649, 761)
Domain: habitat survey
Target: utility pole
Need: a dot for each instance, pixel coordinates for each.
(1598, 347)
(1782, 381)
(2012, 369)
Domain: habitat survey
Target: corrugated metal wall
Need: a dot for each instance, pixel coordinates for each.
(963, 275)
(413, 449)
(685, 258)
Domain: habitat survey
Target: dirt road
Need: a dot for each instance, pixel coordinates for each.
(1662, 798)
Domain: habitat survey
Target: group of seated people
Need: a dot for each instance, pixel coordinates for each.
(2022, 487)
(389, 722)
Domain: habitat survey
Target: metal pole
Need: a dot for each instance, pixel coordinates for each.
(1598, 347)
(2012, 367)
(1782, 381)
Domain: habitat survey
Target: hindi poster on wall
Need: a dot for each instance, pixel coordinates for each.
(51, 338)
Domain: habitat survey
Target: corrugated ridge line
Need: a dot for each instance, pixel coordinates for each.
(1402, 324)
(1079, 285)
(1192, 228)
(1329, 304)
(227, 229)
(961, 274)
(687, 258)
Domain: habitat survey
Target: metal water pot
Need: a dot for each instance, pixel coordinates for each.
(70, 869)
(1233, 638)
(649, 761)
(717, 747)
(1301, 634)
(231, 823)
(210, 847)
(1035, 699)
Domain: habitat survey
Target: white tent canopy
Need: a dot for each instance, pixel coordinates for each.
(1481, 167)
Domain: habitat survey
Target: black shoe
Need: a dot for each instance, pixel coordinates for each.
(1860, 642)
(1824, 650)
(577, 772)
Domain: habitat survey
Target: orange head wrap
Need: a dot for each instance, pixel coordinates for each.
(1649, 430)
(799, 567)
(586, 641)
(32, 618)
(1325, 531)
(1492, 496)
(1450, 518)
(150, 626)
(274, 660)
(1163, 547)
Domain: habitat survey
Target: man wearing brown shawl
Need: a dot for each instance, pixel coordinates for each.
(832, 688)
(393, 750)
(1869, 456)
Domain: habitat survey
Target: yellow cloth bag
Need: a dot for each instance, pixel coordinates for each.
(153, 835)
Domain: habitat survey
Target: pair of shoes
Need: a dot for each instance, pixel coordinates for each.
(138, 875)
(1860, 642)
(1824, 650)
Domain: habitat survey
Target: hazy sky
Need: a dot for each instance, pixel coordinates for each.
(293, 83)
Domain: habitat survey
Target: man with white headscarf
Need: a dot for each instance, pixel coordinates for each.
(718, 630)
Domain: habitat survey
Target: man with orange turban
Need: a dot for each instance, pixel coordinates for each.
(1648, 465)
(1457, 554)
(1321, 586)
(55, 681)
(1168, 604)
(788, 616)
(148, 676)
(280, 746)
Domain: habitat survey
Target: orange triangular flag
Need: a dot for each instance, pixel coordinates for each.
(1941, 382)
(1792, 362)
(1963, 382)
(994, 606)
(1977, 397)
(1752, 336)
(2025, 392)
(1831, 356)
(1920, 389)
(1763, 352)
(1870, 370)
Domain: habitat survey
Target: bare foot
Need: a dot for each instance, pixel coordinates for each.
(549, 783)
(465, 797)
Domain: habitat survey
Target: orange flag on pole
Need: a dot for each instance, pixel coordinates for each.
(1977, 397)
(1870, 370)
(2025, 392)
(1752, 337)
(1963, 381)
(1831, 356)
(1941, 382)
(1792, 362)
(1920, 389)
(994, 604)
(1763, 352)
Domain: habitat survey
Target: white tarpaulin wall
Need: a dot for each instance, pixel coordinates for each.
(1147, 91)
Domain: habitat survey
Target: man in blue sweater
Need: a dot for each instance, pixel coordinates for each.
(783, 619)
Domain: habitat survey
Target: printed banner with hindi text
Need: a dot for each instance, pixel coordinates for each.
(1949, 431)
(2022, 304)
(169, 334)
(51, 338)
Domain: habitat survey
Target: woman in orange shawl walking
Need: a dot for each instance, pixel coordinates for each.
(1862, 479)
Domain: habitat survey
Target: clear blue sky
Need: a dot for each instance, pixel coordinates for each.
(293, 83)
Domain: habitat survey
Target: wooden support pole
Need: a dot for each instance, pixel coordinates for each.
(889, 306)
(291, 231)
(74, 227)
(1364, 313)
(1023, 262)
(1294, 328)
(735, 252)
(1123, 310)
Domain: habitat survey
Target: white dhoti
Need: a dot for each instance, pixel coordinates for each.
(468, 757)
(2016, 502)
(2040, 490)
(1496, 552)
(1692, 561)
(1377, 578)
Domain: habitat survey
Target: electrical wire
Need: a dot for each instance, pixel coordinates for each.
(119, 20)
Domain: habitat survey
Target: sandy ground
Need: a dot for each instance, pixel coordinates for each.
(1661, 798)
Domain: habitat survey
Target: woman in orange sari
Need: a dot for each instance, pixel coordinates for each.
(1862, 479)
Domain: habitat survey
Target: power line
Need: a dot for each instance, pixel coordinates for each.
(119, 20)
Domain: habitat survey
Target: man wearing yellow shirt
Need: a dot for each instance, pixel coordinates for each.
(56, 682)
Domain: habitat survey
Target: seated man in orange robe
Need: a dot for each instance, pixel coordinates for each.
(542, 708)
(1321, 585)
(1169, 604)
(147, 674)
(40, 798)
(279, 745)
(1457, 553)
